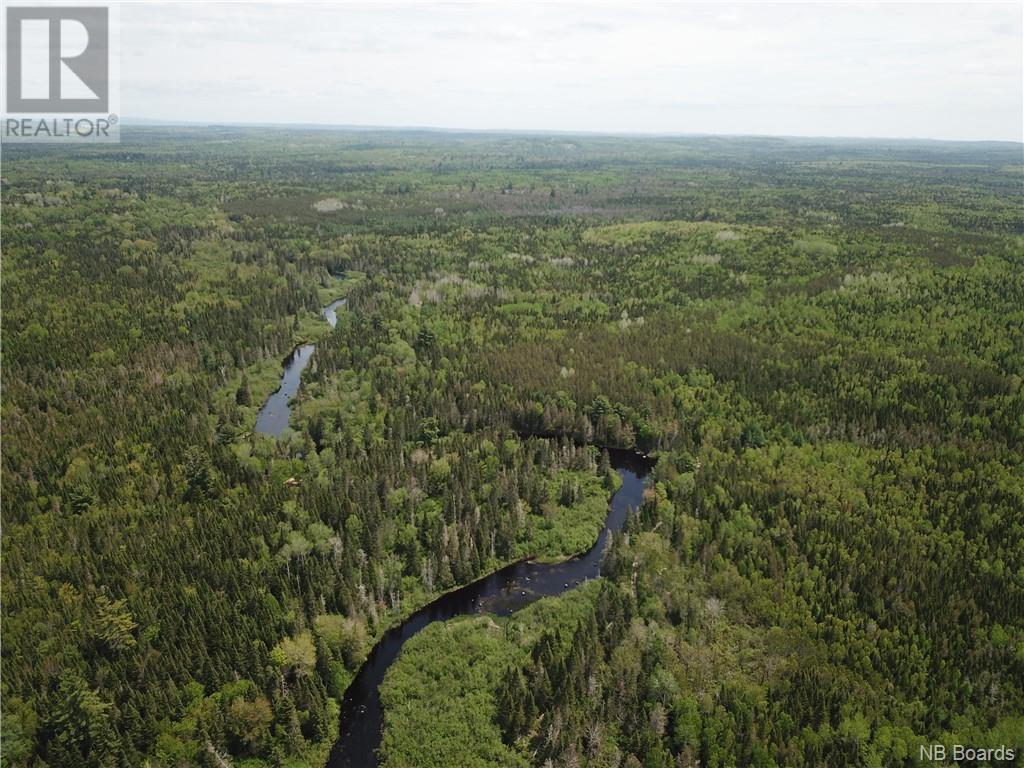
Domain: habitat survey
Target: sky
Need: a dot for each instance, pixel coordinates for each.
(914, 70)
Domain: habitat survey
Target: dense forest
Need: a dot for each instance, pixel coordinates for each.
(819, 343)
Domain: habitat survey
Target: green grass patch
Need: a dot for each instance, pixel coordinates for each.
(439, 696)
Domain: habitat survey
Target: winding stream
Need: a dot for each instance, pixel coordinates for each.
(275, 413)
(503, 592)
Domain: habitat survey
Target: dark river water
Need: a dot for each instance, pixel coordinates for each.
(275, 413)
(502, 593)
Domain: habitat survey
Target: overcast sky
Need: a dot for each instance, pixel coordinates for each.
(949, 71)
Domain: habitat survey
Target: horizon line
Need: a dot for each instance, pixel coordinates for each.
(143, 122)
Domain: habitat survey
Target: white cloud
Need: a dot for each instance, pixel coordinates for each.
(928, 70)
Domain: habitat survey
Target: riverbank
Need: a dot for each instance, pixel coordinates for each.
(263, 377)
(500, 594)
(565, 541)
(599, 494)
(439, 697)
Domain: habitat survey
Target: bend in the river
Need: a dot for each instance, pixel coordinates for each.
(503, 592)
(276, 412)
